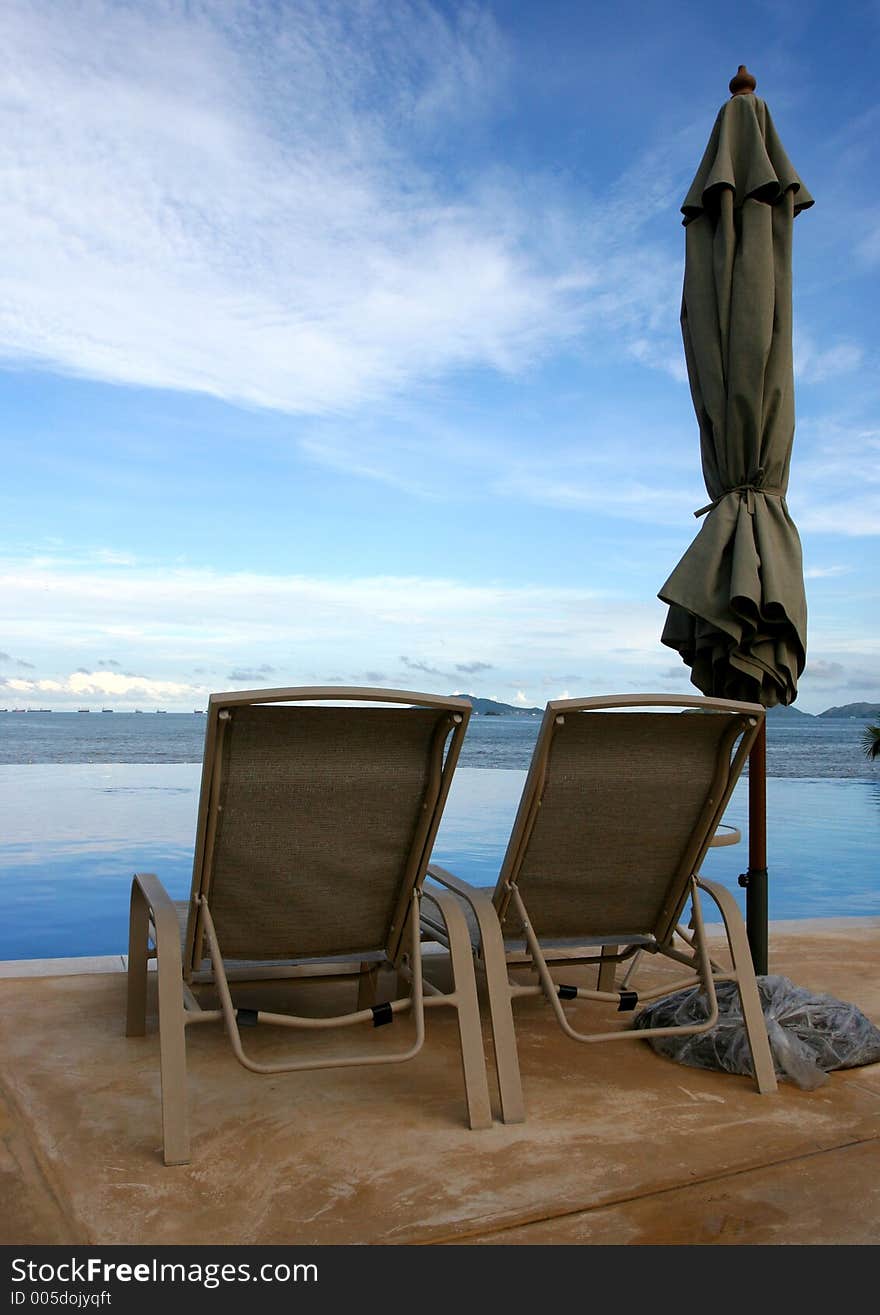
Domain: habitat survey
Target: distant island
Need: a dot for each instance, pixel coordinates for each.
(490, 708)
(851, 711)
(858, 710)
(855, 711)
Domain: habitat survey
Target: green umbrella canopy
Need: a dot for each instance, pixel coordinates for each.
(737, 611)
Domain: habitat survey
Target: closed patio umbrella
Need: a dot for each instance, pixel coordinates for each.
(737, 611)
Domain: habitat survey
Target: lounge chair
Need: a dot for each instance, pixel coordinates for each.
(617, 813)
(315, 826)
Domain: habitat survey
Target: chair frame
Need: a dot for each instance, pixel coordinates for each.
(496, 960)
(155, 934)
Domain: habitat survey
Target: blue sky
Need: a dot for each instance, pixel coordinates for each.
(339, 342)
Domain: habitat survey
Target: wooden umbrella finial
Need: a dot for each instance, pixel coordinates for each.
(743, 83)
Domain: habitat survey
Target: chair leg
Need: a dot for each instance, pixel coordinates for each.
(750, 999)
(367, 983)
(138, 942)
(470, 1033)
(172, 1060)
(500, 1009)
(607, 971)
(151, 901)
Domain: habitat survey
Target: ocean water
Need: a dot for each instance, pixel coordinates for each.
(805, 747)
(86, 803)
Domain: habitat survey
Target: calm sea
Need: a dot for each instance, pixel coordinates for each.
(805, 747)
(89, 798)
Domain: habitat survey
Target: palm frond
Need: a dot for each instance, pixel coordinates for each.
(871, 741)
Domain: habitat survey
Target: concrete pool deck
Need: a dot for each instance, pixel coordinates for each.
(620, 1145)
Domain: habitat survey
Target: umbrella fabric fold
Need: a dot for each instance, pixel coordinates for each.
(737, 610)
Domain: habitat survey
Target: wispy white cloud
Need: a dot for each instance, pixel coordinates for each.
(235, 200)
(852, 515)
(85, 684)
(6, 658)
(852, 677)
(299, 629)
(832, 672)
(835, 480)
(868, 248)
(229, 201)
(384, 462)
(815, 364)
(252, 675)
(825, 572)
(588, 461)
(584, 489)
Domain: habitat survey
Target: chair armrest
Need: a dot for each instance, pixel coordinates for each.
(480, 902)
(452, 882)
(725, 900)
(152, 916)
(163, 913)
(489, 953)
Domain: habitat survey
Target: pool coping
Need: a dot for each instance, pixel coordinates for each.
(118, 963)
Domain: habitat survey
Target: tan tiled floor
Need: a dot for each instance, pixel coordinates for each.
(620, 1145)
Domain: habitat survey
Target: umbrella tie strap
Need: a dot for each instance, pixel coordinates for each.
(748, 489)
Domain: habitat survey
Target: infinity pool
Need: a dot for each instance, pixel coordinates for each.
(73, 834)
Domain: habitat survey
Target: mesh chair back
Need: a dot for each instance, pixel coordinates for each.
(628, 804)
(321, 821)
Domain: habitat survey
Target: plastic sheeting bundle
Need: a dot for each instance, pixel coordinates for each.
(809, 1034)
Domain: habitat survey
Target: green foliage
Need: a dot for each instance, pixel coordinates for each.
(871, 741)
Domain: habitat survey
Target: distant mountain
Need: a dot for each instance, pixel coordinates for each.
(489, 708)
(860, 710)
(790, 711)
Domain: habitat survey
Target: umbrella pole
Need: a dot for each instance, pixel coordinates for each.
(755, 880)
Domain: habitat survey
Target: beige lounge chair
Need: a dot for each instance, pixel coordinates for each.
(621, 802)
(315, 826)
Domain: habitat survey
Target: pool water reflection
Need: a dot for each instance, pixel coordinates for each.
(72, 836)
